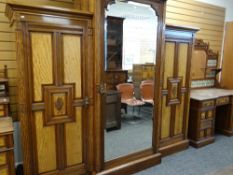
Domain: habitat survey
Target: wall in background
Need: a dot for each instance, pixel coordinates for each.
(227, 73)
(209, 18)
(228, 4)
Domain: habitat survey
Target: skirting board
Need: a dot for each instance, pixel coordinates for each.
(133, 166)
(176, 147)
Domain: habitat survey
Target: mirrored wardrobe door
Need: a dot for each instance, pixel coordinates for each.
(130, 65)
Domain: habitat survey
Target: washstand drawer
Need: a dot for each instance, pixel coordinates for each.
(207, 114)
(205, 124)
(208, 103)
(223, 101)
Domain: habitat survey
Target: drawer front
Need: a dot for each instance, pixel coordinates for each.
(222, 101)
(207, 115)
(4, 171)
(208, 103)
(210, 114)
(206, 124)
(2, 142)
(3, 158)
(203, 115)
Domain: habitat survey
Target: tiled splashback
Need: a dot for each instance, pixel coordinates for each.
(211, 74)
(202, 83)
(212, 63)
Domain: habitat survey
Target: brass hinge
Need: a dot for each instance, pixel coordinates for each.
(101, 88)
(86, 101)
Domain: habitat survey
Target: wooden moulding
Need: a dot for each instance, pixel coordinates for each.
(201, 143)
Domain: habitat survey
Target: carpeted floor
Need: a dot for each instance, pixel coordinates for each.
(214, 159)
(224, 171)
(132, 137)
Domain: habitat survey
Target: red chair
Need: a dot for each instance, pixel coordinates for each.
(147, 92)
(127, 96)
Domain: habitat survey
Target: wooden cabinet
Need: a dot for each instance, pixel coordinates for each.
(115, 77)
(176, 89)
(112, 110)
(54, 53)
(7, 166)
(201, 122)
(114, 43)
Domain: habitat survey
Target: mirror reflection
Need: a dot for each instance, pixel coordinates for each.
(130, 58)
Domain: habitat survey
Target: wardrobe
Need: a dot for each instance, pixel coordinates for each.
(60, 55)
(54, 53)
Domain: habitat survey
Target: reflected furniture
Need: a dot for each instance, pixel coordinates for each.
(115, 77)
(112, 109)
(147, 92)
(176, 89)
(7, 166)
(204, 66)
(114, 43)
(210, 109)
(127, 96)
(140, 73)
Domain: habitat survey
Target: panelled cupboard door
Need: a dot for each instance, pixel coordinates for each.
(55, 62)
(176, 84)
(59, 99)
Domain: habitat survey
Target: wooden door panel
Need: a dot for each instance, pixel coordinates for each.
(182, 61)
(179, 117)
(42, 71)
(169, 62)
(74, 147)
(166, 119)
(42, 62)
(72, 62)
(45, 145)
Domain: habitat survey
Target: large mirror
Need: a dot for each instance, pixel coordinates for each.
(130, 63)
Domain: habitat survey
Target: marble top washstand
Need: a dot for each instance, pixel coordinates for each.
(210, 93)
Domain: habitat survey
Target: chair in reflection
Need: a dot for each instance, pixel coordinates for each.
(147, 92)
(127, 96)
